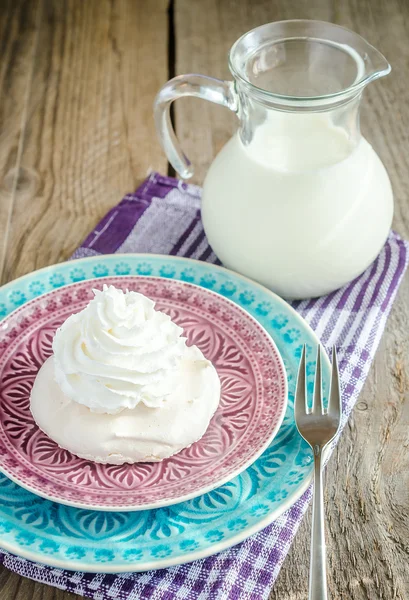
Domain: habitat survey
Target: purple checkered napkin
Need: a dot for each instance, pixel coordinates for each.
(163, 216)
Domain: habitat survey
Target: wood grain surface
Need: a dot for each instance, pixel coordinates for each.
(77, 81)
(81, 133)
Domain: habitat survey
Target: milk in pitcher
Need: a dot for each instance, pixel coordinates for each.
(302, 208)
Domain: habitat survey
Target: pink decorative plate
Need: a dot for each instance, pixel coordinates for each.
(252, 406)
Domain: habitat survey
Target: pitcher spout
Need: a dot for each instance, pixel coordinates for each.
(374, 64)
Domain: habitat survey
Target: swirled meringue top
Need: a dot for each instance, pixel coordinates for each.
(118, 352)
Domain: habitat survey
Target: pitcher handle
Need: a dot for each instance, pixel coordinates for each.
(198, 86)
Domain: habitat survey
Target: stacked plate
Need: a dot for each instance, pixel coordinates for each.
(249, 467)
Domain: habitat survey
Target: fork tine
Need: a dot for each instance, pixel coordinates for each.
(317, 402)
(334, 404)
(300, 405)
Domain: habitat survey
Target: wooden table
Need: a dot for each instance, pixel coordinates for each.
(77, 81)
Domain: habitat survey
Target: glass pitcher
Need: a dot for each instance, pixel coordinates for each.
(297, 200)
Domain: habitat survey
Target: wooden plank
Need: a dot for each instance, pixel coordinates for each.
(18, 39)
(78, 79)
(15, 587)
(89, 136)
(368, 477)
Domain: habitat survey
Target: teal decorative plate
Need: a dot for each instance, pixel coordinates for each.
(96, 541)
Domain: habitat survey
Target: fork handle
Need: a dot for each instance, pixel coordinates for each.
(318, 567)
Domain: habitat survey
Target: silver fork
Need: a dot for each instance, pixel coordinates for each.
(318, 427)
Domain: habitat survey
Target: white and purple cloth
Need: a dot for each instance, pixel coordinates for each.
(163, 217)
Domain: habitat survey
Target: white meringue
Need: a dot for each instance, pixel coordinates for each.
(122, 386)
(141, 434)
